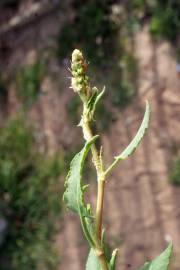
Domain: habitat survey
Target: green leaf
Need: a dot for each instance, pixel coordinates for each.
(74, 192)
(92, 262)
(105, 246)
(161, 262)
(112, 263)
(73, 185)
(94, 99)
(139, 135)
(136, 141)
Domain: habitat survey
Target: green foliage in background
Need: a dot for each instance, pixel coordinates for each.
(163, 17)
(165, 21)
(124, 89)
(91, 29)
(94, 29)
(29, 82)
(103, 29)
(123, 94)
(175, 172)
(29, 199)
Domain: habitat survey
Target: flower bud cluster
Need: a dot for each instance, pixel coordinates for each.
(79, 80)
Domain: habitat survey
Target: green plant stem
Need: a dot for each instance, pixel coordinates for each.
(88, 136)
(99, 208)
(102, 260)
(101, 186)
(100, 176)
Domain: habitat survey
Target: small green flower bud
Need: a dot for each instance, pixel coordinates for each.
(80, 71)
(77, 56)
(79, 81)
(74, 73)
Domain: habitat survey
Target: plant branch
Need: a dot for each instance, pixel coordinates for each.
(109, 169)
(85, 123)
(97, 160)
(99, 207)
(80, 84)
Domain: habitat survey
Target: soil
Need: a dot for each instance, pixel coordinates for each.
(142, 208)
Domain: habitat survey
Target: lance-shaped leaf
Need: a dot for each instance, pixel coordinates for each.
(136, 141)
(161, 262)
(94, 99)
(74, 191)
(112, 263)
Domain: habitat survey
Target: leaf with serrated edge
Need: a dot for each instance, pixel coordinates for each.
(135, 142)
(92, 261)
(139, 135)
(74, 191)
(161, 262)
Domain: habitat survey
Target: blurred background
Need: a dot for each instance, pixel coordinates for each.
(133, 48)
